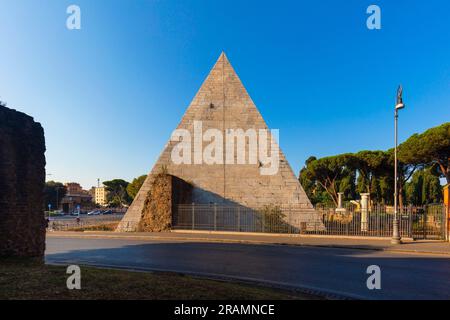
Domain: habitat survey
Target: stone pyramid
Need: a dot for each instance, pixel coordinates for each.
(223, 103)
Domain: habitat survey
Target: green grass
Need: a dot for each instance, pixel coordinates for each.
(28, 279)
(98, 227)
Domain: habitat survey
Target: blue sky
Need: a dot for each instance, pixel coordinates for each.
(110, 94)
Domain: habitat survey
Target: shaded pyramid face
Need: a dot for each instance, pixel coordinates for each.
(222, 103)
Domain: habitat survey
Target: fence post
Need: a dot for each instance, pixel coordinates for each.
(263, 222)
(239, 219)
(443, 217)
(381, 212)
(347, 225)
(425, 221)
(447, 221)
(410, 229)
(215, 216)
(193, 216)
(289, 219)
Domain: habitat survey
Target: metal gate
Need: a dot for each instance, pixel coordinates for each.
(429, 222)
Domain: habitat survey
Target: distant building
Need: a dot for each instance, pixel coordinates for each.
(100, 196)
(73, 188)
(92, 193)
(76, 197)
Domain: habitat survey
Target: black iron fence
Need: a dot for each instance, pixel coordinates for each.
(426, 222)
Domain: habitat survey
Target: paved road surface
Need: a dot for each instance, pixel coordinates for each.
(343, 271)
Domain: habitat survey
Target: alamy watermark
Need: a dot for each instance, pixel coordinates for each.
(73, 21)
(74, 280)
(374, 280)
(230, 149)
(374, 20)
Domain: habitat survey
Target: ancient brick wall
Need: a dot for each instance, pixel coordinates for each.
(165, 192)
(22, 179)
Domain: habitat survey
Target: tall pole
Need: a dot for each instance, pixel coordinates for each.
(57, 196)
(396, 238)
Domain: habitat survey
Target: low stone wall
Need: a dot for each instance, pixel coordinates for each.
(22, 180)
(165, 192)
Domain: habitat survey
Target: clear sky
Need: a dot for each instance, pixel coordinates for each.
(110, 94)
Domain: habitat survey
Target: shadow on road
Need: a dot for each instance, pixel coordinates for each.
(340, 271)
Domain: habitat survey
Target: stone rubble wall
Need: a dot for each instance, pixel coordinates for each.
(165, 193)
(22, 180)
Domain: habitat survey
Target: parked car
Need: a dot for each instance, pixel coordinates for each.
(107, 212)
(56, 213)
(94, 213)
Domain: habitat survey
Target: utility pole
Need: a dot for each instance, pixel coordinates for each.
(57, 198)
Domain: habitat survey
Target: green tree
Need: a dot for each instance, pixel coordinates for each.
(53, 193)
(347, 184)
(432, 192)
(386, 187)
(424, 187)
(373, 171)
(332, 174)
(430, 147)
(406, 170)
(135, 185)
(375, 190)
(117, 195)
(313, 190)
(371, 166)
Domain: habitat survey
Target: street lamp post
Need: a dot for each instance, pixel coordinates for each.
(57, 196)
(396, 238)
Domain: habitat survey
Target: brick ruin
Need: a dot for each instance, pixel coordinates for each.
(166, 191)
(22, 181)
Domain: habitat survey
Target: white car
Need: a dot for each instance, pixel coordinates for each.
(94, 213)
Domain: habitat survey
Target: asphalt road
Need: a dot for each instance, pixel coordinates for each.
(339, 271)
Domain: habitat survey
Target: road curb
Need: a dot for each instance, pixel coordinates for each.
(242, 241)
(274, 235)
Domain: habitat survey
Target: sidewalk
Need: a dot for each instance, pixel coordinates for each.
(383, 244)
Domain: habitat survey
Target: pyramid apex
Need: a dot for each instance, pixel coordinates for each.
(222, 56)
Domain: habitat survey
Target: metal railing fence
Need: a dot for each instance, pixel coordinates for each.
(84, 222)
(426, 222)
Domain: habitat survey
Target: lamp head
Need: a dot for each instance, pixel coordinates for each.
(399, 104)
